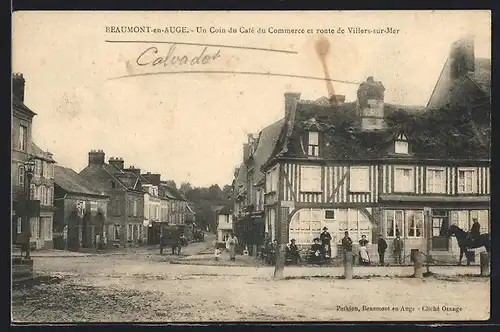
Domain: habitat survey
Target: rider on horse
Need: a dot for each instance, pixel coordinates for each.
(474, 231)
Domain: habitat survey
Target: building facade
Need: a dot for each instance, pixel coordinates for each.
(372, 168)
(80, 220)
(42, 190)
(32, 200)
(224, 223)
(124, 188)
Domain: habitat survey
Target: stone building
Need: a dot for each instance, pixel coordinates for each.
(80, 219)
(126, 198)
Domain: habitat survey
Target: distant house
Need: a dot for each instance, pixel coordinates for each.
(464, 80)
(224, 223)
(124, 188)
(80, 220)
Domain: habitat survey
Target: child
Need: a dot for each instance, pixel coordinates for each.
(217, 254)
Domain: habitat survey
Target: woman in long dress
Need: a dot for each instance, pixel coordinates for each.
(364, 258)
(233, 242)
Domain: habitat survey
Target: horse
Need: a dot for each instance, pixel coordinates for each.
(463, 242)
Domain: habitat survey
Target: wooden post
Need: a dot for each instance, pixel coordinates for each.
(417, 264)
(348, 265)
(484, 263)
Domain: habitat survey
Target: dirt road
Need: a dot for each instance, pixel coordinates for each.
(145, 287)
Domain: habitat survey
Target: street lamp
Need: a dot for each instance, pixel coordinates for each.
(29, 169)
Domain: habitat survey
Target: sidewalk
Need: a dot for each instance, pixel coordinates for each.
(51, 253)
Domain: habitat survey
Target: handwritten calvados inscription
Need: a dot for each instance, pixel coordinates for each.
(153, 56)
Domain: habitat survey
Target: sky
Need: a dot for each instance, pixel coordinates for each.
(191, 127)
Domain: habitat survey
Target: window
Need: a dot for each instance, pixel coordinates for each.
(19, 225)
(359, 179)
(43, 199)
(330, 214)
(310, 179)
(394, 223)
(313, 144)
(436, 181)
(354, 222)
(272, 223)
(306, 225)
(414, 223)
(21, 177)
(117, 231)
(38, 167)
(129, 232)
(272, 180)
(403, 180)
(50, 196)
(401, 147)
(466, 181)
(460, 219)
(23, 138)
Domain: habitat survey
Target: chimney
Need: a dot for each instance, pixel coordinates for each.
(246, 152)
(18, 83)
(117, 162)
(136, 171)
(154, 179)
(462, 57)
(371, 105)
(337, 99)
(96, 157)
(291, 98)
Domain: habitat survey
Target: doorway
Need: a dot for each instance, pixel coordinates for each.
(440, 224)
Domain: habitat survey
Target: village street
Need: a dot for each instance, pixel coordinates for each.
(139, 285)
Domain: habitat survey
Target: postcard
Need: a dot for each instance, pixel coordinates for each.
(224, 166)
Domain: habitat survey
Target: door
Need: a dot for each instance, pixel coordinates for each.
(439, 228)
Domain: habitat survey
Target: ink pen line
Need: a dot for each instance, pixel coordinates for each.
(200, 44)
(233, 73)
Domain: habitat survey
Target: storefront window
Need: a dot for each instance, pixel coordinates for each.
(409, 223)
(414, 223)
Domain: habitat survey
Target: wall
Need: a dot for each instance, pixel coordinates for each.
(225, 221)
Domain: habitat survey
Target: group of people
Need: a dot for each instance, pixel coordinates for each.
(231, 244)
(364, 256)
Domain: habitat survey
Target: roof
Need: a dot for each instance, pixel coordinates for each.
(72, 182)
(98, 175)
(226, 209)
(268, 138)
(482, 75)
(171, 192)
(39, 153)
(432, 133)
(18, 104)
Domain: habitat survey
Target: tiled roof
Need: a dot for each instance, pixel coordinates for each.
(171, 192)
(226, 209)
(268, 138)
(71, 181)
(482, 75)
(431, 133)
(97, 175)
(39, 153)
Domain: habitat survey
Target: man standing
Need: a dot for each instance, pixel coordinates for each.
(326, 239)
(346, 244)
(381, 247)
(398, 248)
(294, 252)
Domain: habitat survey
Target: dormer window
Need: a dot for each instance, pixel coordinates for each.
(401, 144)
(313, 144)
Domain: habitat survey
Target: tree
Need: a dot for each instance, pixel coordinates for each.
(214, 192)
(171, 183)
(185, 188)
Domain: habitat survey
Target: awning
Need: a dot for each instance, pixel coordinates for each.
(435, 199)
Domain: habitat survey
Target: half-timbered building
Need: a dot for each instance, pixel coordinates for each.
(373, 168)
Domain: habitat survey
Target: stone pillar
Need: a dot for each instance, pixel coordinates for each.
(348, 265)
(484, 263)
(417, 264)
